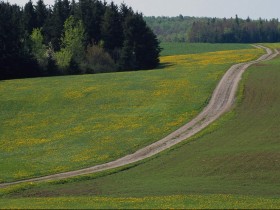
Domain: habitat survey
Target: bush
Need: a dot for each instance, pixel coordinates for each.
(98, 61)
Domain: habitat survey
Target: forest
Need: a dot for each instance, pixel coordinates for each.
(171, 29)
(92, 36)
(235, 30)
(214, 30)
(88, 36)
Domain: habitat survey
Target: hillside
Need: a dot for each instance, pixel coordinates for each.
(219, 161)
(67, 123)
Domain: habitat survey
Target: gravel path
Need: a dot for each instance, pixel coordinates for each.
(221, 101)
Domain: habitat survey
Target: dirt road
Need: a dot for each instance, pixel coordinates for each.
(221, 101)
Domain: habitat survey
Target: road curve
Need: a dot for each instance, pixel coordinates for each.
(222, 100)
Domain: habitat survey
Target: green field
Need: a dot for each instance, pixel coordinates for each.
(165, 202)
(234, 163)
(180, 48)
(56, 124)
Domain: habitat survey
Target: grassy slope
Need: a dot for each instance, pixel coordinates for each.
(180, 48)
(50, 125)
(241, 157)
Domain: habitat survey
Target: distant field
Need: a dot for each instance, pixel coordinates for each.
(50, 125)
(272, 45)
(232, 164)
(180, 48)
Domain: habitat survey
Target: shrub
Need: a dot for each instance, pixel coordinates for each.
(98, 61)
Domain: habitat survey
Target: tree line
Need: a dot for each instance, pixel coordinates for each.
(235, 30)
(214, 30)
(171, 29)
(88, 36)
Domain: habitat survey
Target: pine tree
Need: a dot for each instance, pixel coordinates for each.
(66, 9)
(15, 59)
(142, 41)
(127, 59)
(91, 13)
(41, 13)
(112, 28)
(74, 9)
(54, 25)
(29, 17)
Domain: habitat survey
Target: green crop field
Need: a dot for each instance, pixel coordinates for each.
(234, 163)
(180, 48)
(56, 124)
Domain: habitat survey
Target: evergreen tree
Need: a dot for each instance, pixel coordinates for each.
(29, 17)
(15, 60)
(66, 9)
(142, 41)
(112, 28)
(74, 9)
(41, 13)
(91, 13)
(127, 59)
(53, 28)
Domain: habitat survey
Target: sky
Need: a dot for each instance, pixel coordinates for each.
(199, 8)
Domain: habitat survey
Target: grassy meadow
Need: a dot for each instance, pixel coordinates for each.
(234, 163)
(164, 202)
(56, 124)
(181, 48)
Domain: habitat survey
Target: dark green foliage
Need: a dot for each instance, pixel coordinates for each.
(140, 42)
(15, 59)
(235, 31)
(127, 42)
(171, 29)
(112, 28)
(91, 13)
(41, 14)
(54, 29)
(214, 30)
(127, 57)
(29, 17)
